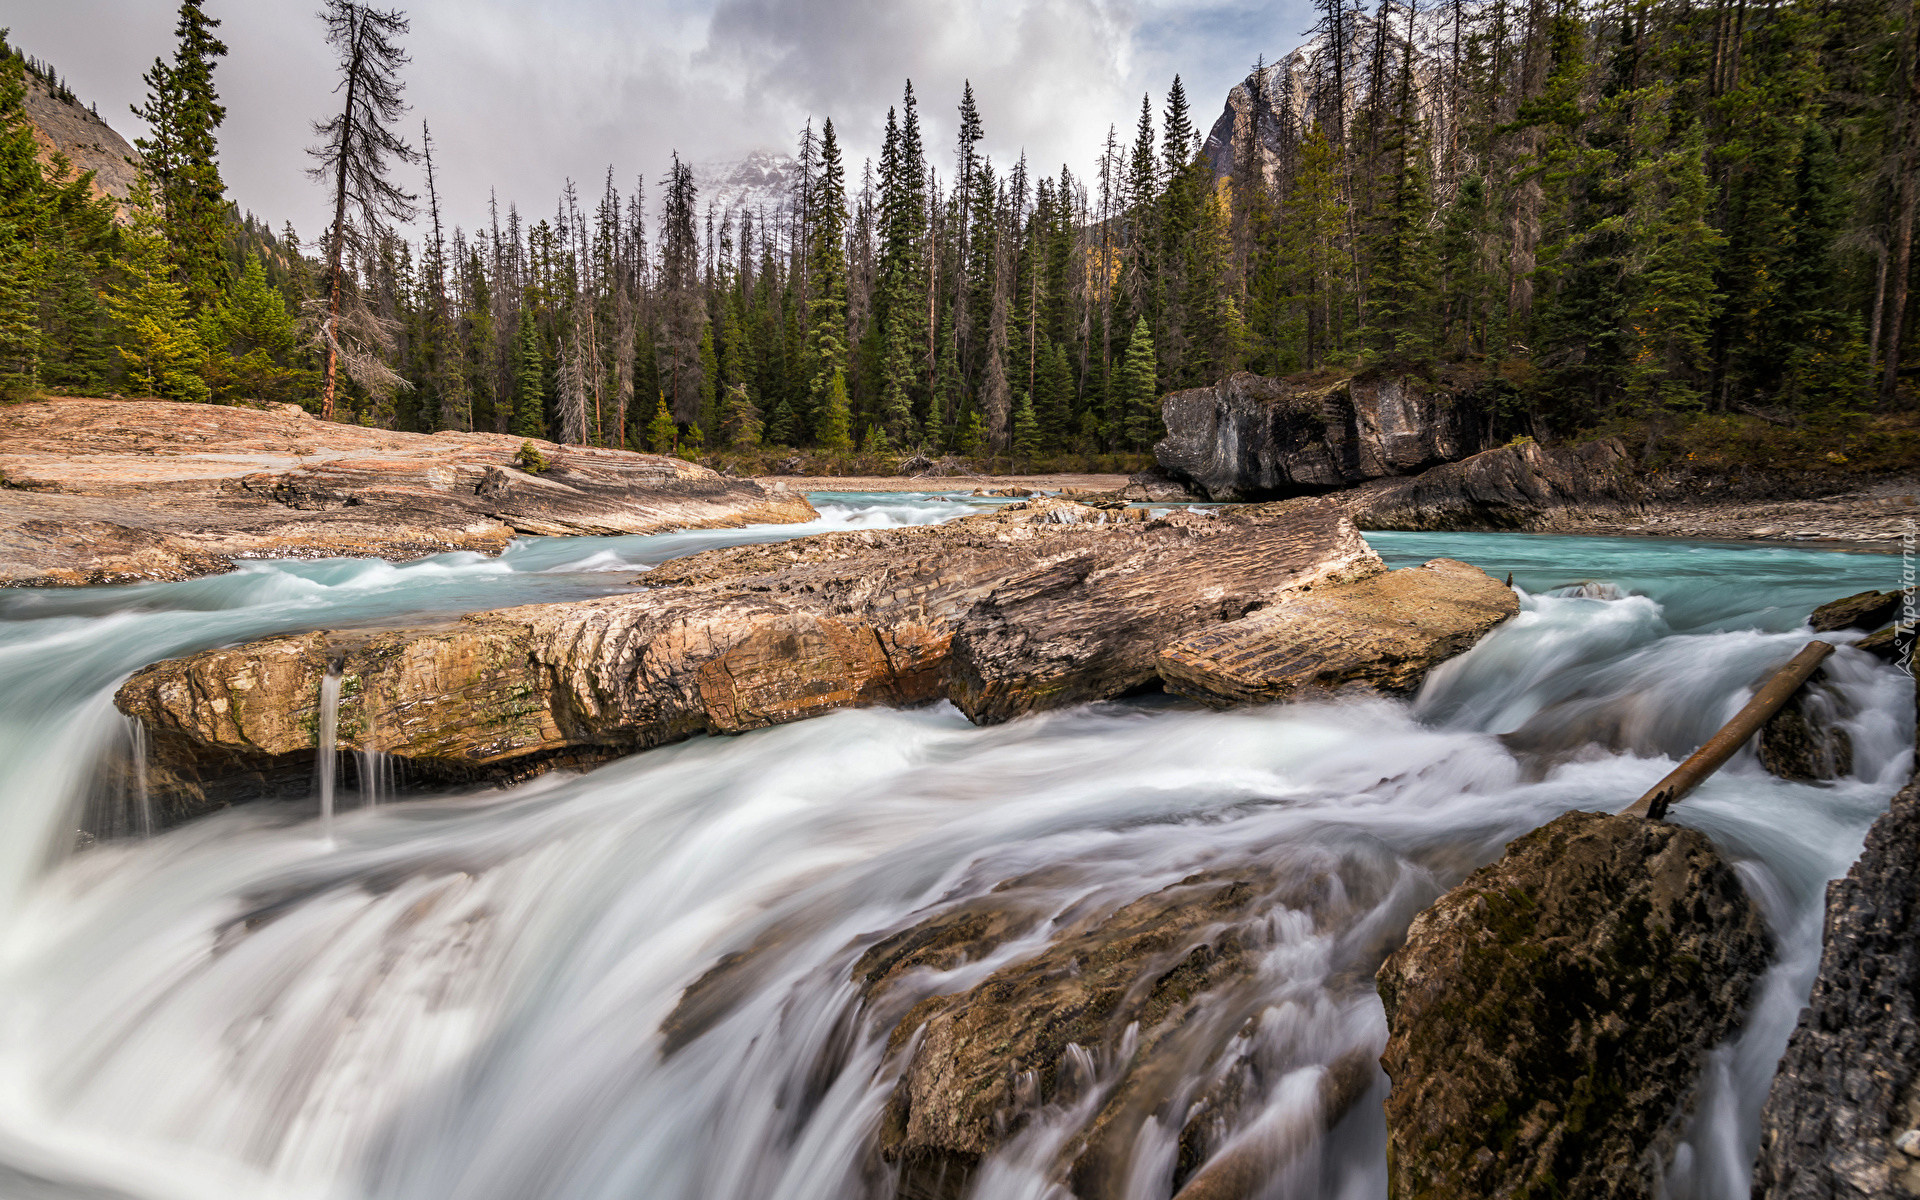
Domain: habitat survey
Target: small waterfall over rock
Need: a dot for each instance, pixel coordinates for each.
(327, 756)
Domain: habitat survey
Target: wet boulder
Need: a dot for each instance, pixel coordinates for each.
(1385, 631)
(1805, 741)
(1863, 610)
(1251, 436)
(1548, 1017)
(1839, 1119)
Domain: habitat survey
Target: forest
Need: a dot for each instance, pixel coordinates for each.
(1612, 215)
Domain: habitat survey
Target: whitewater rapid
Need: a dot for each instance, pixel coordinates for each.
(461, 995)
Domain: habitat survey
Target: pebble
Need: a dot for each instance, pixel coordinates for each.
(1909, 1143)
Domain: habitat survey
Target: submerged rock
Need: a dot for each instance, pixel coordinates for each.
(1251, 436)
(1386, 631)
(1099, 1032)
(1804, 740)
(1549, 1016)
(106, 491)
(1038, 605)
(1848, 1088)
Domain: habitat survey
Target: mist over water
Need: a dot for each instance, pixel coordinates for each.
(462, 995)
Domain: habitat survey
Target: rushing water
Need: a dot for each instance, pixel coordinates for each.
(461, 996)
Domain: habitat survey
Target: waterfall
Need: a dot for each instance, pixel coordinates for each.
(463, 996)
(143, 803)
(327, 759)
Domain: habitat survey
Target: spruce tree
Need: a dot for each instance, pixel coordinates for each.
(740, 426)
(530, 393)
(183, 113)
(1026, 429)
(162, 352)
(1138, 391)
(836, 416)
(662, 433)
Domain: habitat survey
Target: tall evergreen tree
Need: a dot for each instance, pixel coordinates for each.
(183, 114)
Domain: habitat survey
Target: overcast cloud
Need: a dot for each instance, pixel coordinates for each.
(522, 95)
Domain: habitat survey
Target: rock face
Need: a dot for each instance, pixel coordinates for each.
(1524, 486)
(63, 127)
(1251, 436)
(1037, 605)
(1804, 740)
(1849, 1084)
(1548, 1016)
(102, 491)
(1386, 631)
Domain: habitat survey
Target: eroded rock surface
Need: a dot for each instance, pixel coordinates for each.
(1387, 631)
(105, 491)
(1862, 610)
(1849, 1084)
(1039, 605)
(1549, 1016)
(1252, 436)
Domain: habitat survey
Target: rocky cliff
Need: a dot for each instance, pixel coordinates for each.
(1840, 1117)
(1523, 486)
(1251, 436)
(1549, 1016)
(68, 128)
(108, 491)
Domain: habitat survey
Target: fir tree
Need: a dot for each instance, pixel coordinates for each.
(1138, 392)
(836, 416)
(1026, 429)
(530, 398)
(183, 114)
(740, 427)
(662, 433)
(162, 351)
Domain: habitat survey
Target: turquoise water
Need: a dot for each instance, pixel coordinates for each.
(460, 996)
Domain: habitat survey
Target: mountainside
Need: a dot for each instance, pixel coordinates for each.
(1298, 89)
(62, 126)
(761, 180)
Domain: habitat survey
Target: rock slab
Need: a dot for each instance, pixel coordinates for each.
(1038, 605)
(119, 491)
(1849, 1084)
(1386, 631)
(1548, 1016)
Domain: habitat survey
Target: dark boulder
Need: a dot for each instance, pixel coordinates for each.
(1848, 1088)
(1251, 436)
(1520, 486)
(1864, 610)
(1548, 1017)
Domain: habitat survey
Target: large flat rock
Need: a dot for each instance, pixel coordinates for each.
(1386, 631)
(1039, 605)
(114, 491)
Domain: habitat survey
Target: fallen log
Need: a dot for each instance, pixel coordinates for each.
(1734, 734)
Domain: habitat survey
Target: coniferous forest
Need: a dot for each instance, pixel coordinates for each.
(1614, 214)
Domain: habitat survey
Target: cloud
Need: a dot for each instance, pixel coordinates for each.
(523, 95)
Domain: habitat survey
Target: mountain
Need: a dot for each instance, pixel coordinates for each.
(761, 180)
(63, 125)
(1297, 90)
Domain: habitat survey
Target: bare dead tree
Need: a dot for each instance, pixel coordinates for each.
(358, 147)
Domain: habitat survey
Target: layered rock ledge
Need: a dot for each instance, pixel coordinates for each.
(1039, 605)
(116, 491)
(1549, 1016)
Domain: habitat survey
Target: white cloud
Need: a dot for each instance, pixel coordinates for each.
(523, 95)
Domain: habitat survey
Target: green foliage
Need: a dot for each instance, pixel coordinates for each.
(162, 350)
(740, 426)
(662, 433)
(182, 113)
(249, 338)
(530, 374)
(836, 418)
(1138, 394)
(529, 458)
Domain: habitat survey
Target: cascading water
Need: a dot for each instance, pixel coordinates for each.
(327, 761)
(463, 996)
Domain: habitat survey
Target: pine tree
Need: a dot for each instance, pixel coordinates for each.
(740, 427)
(248, 337)
(662, 433)
(162, 352)
(1138, 393)
(183, 113)
(1026, 429)
(836, 416)
(530, 398)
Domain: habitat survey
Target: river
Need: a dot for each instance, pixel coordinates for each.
(461, 995)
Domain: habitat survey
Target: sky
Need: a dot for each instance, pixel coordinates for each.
(523, 94)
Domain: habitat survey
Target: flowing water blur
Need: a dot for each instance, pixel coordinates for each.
(462, 995)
